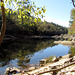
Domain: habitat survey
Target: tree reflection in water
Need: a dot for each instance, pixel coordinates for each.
(22, 49)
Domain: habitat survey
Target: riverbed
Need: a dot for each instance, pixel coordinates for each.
(22, 53)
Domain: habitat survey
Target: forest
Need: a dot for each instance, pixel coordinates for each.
(25, 20)
(25, 26)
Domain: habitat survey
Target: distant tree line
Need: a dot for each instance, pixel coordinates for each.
(30, 25)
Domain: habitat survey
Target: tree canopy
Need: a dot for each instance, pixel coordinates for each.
(24, 7)
(72, 22)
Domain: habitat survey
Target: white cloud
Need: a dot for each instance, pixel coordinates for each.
(57, 21)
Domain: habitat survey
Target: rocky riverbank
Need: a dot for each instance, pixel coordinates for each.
(59, 66)
(69, 41)
(65, 42)
(61, 37)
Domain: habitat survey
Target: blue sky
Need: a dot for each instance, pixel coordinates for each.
(57, 11)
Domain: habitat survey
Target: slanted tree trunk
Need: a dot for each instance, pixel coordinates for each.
(3, 28)
(73, 3)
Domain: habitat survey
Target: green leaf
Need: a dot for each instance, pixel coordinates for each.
(42, 16)
(36, 13)
(19, 16)
(13, 12)
(33, 3)
(23, 16)
(26, 0)
(35, 20)
(6, 1)
(38, 8)
(34, 6)
(30, 18)
(1, 3)
(40, 12)
(44, 10)
(10, 12)
(0, 10)
(10, 3)
(39, 20)
(26, 16)
(15, 0)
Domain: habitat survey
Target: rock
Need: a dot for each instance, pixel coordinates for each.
(59, 57)
(14, 69)
(73, 39)
(53, 67)
(7, 70)
(65, 56)
(57, 42)
(55, 59)
(71, 55)
(67, 43)
(32, 68)
(43, 61)
(41, 65)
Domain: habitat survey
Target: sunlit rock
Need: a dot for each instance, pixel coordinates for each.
(7, 70)
(43, 61)
(32, 68)
(55, 59)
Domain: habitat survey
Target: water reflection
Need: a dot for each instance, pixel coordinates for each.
(22, 49)
(23, 52)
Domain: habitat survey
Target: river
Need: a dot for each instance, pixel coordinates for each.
(24, 52)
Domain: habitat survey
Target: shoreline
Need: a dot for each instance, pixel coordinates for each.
(64, 62)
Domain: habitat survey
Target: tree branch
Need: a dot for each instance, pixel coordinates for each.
(73, 2)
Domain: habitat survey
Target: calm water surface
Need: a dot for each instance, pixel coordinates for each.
(23, 52)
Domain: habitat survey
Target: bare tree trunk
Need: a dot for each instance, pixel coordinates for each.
(3, 28)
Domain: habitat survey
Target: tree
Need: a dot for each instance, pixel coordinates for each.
(3, 28)
(72, 22)
(30, 8)
(73, 1)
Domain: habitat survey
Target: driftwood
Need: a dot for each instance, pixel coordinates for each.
(54, 70)
(70, 60)
(66, 72)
